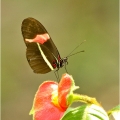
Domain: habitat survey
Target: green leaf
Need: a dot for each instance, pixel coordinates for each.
(86, 112)
(115, 112)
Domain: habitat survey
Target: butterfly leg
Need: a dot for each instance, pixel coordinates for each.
(57, 75)
(66, 67)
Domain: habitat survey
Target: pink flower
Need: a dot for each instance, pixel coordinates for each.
(51, 99)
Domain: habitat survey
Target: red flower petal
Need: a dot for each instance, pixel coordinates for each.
(43, 108)
(64, 88)
(48, 112)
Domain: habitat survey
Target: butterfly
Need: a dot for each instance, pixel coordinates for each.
(41, 53)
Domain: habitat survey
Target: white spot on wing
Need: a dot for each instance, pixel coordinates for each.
(44, 57)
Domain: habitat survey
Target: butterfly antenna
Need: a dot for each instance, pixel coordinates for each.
(76, 53)
(75, 49)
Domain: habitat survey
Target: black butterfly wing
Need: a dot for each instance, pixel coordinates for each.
(36, 60)
(37, 54)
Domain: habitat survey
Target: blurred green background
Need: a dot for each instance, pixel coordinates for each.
(68, 22)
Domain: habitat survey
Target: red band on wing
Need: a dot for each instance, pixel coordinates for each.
(40, 38)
